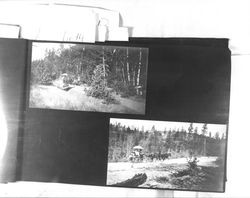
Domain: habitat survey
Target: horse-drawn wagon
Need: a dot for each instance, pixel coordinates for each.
(137, 154)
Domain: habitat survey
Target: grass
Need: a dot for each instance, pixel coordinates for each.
(51, 97)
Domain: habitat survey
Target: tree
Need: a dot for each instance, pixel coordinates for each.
(204, 130)
(137, 78)
(190, 128)
(98, 85)
(155, 142)
(169, 141)
(196, 130)
(217, 136)
(128, 71)
(223, 136)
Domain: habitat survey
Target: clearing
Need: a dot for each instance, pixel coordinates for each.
(51, 97)
(164, 174)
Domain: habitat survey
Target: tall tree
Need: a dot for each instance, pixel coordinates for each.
(204, 133)
(153, 128)
(204, 129)
(196, 130)
(217, 136)
(190, 128)
(137, 84)
(128, 70)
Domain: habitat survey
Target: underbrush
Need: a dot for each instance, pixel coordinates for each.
(123, 89)
(100, 91)
(162, 179)
(198, 177)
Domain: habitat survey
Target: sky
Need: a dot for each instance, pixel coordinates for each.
(161, 125)
(39, 49)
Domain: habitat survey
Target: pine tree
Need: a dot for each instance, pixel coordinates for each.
(204, 133)
(196, 130)
(99, 84)
(217, 136)
(204, 130)
(223, 136)
(190, 128)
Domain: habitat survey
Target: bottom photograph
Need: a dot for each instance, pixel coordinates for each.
(167, 155)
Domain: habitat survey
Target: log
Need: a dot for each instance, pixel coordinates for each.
(135, 181)
(67, 88)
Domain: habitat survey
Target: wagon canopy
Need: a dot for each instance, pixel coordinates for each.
(137, 148)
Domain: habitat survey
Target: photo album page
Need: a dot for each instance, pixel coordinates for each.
(148, 113)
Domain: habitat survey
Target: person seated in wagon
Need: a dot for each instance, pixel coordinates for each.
(138, 151)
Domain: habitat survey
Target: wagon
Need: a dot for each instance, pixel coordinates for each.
(136, 155)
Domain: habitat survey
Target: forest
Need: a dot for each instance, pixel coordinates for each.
(105, 73)
(179, 142)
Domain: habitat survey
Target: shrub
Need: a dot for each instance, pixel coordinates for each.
(162, 179)
(117, 85)
(122, 88)
(192, 163)
(42, 73)
(45, 79)
(128, 91)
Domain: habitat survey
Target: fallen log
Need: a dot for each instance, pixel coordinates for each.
(67, 88)
(135, 181)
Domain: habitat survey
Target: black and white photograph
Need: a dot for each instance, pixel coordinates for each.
(84, 77)
(166, 155)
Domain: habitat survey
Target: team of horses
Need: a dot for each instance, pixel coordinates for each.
(159, 156)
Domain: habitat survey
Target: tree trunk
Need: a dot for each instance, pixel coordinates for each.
(134, 78)
(205, 146)
(128, 68)
(123, 75)
(139, 72)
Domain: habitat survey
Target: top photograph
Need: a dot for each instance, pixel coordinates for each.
(85, 77)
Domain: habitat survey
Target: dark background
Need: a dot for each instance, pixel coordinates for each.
(187, 80)
(12, 91)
